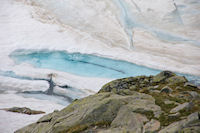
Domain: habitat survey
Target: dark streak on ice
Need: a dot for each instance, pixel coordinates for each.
(49, 91)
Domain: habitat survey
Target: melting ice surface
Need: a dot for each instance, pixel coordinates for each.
(81, 64)
(129, 21)
(85, 64)
(78, 64)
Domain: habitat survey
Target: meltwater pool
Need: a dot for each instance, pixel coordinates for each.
(80, 64)
(86, 64)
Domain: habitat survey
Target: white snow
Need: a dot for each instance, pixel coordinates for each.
(22, 85)
(91, 84)
(28, 26)
(9, 122)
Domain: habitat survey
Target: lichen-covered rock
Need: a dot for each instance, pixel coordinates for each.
(192, 122)
(177, 80)
(180, 107)
(152, 126)
(133, 105)
(128, 120)
(103, 109)
(131, 83)
(163, 76)
(24, 110)
(193, 94)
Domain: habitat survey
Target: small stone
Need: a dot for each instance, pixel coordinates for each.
(152, 126)
(166, 89)
(174, 115)
(154, 91)
(180, 107)
(193, 94)
(170, 102)
(179, 88)
(194, 116)
(24, 110)
(155, 87)
(133, 87)
(142, 85)
(150, 88)
(190, 85)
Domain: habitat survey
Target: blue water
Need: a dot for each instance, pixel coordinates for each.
(81, 64)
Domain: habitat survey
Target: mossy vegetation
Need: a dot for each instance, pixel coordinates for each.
(194, 108)
(145, 85)
(83, 127)
(77, 129)
(149, 114)
(165, 120)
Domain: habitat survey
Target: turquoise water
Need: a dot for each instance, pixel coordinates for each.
(84, 65)
(81, 64)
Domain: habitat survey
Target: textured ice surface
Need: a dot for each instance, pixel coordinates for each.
(150, 15)
(52, 98)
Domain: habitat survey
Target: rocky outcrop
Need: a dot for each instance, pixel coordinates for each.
(189, 125)
(24, 110)
(129, 105)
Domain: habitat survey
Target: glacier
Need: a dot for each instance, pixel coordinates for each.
(155, 35)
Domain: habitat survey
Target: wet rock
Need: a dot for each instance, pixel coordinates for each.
(166, 89)
(24, 110)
